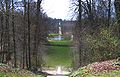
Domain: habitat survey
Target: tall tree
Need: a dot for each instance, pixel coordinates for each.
(78, 38)
(109, 12)
(29, 48)
(7, 30)
(14, 41)
(117, 7)
(25, 54)
(2, 30)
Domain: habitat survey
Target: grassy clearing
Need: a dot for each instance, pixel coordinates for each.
(57, 55)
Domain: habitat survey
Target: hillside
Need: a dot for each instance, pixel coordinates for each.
(110, 68)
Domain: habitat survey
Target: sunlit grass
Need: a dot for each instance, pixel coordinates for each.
(62, 42)
(58, 55)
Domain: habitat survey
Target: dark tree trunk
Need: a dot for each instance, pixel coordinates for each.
(117, 8)
(29, 48)
(14, 41)
(25, 54)
(7, 35)
(109, 12)
(37, 30)
(2, 31)
(77, 39)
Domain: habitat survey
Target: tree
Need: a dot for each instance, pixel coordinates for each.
(14, 41)
(2, 30)
(109, 12)
(37, 36)
(7, 29)
(94, 18)
(29, 48)
(117, 8)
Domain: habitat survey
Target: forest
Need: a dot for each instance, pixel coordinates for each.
(25, 29)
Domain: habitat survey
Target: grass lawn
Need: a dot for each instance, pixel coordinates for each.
(58, 55)
(62, 42)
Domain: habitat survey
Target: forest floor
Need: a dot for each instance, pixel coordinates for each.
(110, 68)
(7, 71)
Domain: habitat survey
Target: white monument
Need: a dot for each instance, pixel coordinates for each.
(71, 37)
(60, 33)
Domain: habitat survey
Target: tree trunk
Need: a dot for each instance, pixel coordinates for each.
(117, 8)
(109, 12)
(7, 35)
(2, 31)
(14, 41)
(29, 48)
(37, 30)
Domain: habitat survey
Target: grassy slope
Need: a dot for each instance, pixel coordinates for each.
(58, 55)
(99, 69)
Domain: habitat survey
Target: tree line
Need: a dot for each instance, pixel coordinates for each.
(96, 34)
(23, 31)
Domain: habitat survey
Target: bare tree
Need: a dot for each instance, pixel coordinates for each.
(117, 8)
(29, 48)
(109, 12)
(14, 41)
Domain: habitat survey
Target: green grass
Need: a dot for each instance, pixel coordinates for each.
(62, 42)
(15, 74)
(58, 55)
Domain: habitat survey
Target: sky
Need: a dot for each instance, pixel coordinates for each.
(57, 8)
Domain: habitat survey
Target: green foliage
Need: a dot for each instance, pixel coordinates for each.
(1, 64)
(104, 44)
(80, 72)
(116, 63)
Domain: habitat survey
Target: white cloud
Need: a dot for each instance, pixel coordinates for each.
(56, 8)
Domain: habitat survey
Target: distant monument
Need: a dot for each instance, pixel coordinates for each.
(60, 32)
(71, 37)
